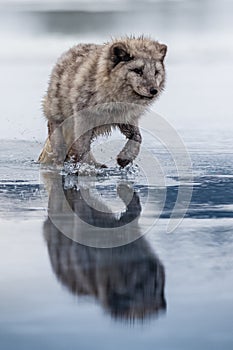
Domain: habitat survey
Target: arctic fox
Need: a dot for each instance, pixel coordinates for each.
(94, 88)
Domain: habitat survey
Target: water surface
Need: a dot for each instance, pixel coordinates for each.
(163, 290)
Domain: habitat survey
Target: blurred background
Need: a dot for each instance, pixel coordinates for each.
(199, 35)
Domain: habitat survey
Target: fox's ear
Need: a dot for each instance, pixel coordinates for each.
(119, 53)
(163, 50)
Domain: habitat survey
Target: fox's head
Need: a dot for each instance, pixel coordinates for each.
(136, 68)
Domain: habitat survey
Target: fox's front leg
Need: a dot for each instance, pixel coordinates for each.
(81, 150)
(132, 147)
(57, 141)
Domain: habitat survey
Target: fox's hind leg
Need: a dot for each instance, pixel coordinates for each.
(57, 141)
(132, 147)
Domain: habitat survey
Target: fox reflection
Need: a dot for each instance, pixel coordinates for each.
(128, 281)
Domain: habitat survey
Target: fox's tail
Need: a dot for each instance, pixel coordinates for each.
(46, 153)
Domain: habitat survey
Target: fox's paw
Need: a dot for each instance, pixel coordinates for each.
(123, 162)
(97, 165)
(103, 166)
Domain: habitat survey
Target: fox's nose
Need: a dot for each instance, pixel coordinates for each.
(153, 91)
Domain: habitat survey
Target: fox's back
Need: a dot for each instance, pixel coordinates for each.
(72, 69)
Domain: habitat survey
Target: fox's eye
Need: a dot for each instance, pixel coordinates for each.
(138, 71)
(156, 73)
